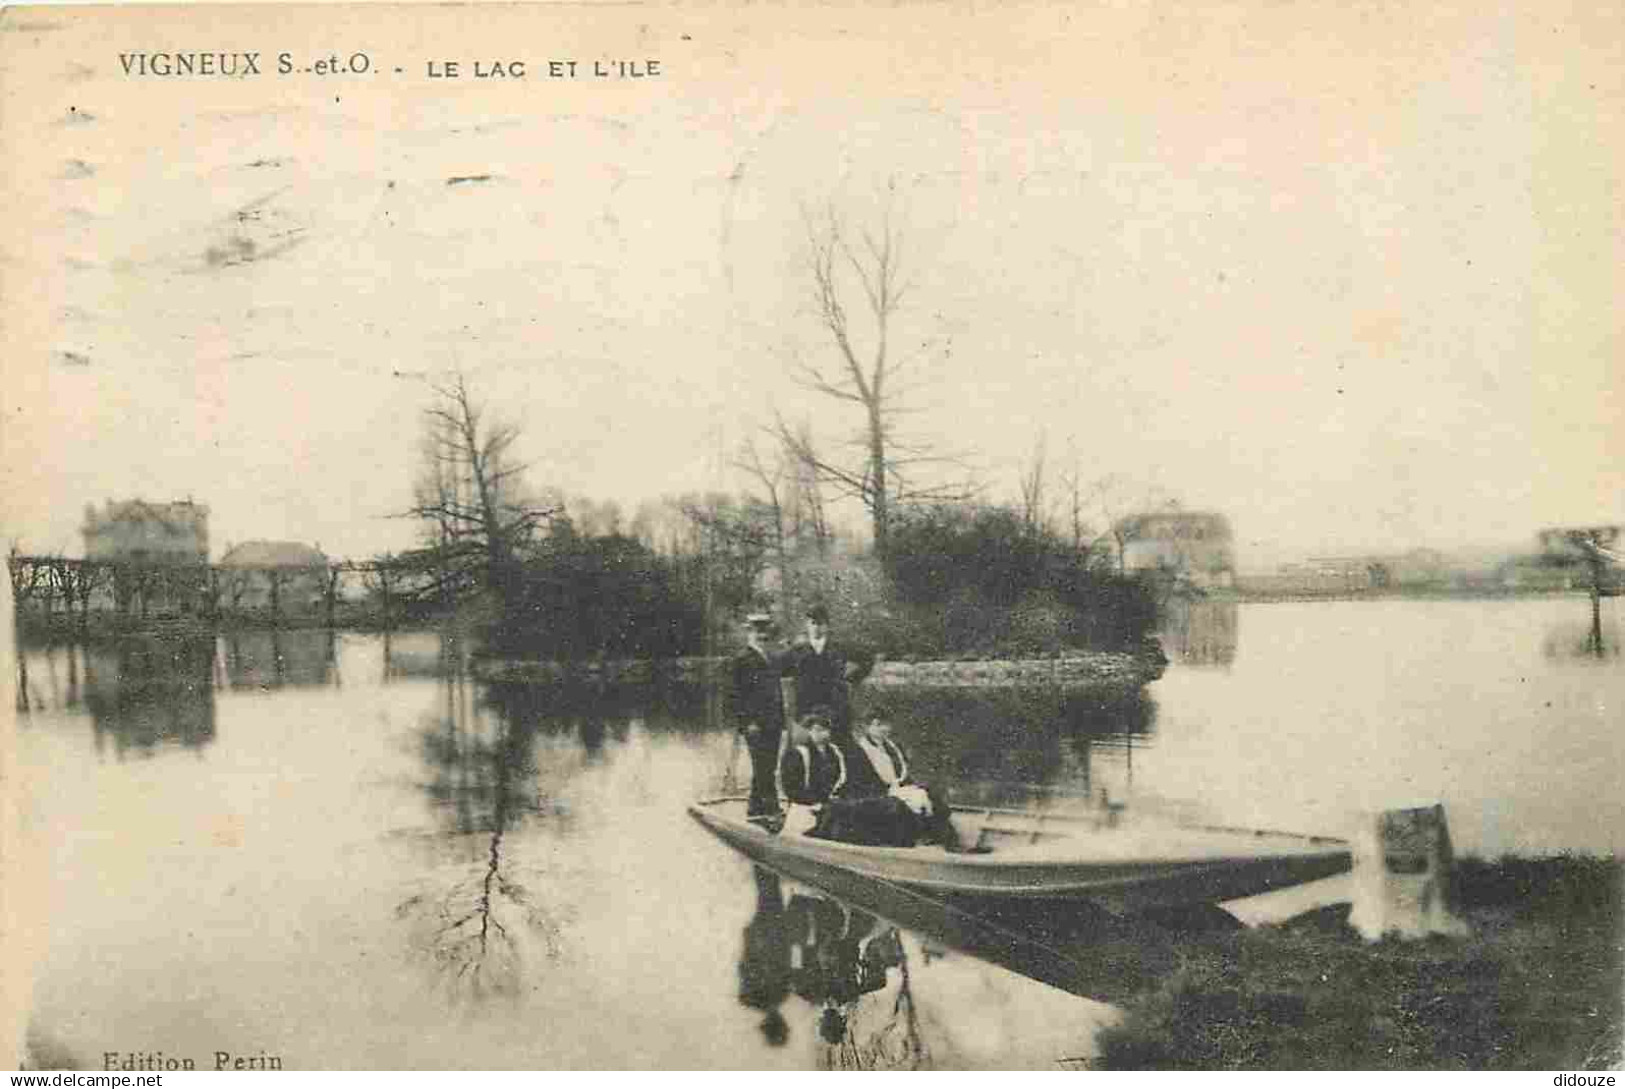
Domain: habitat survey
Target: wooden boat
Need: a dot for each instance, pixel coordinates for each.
(1119, 865)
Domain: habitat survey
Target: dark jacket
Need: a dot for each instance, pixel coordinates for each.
(822, 678)
(867, 813)
(810, 775)
(754, 694)
(862, 780)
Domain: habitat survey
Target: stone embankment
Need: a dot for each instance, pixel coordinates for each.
(1113, 670)
(1080, 670)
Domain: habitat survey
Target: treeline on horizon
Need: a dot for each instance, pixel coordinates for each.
(958, 579)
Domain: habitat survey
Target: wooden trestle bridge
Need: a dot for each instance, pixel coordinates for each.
(70, 587)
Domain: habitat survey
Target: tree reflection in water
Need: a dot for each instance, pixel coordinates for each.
(1574, 641)
(485, 926)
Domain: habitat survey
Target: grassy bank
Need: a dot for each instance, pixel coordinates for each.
(1537, 986)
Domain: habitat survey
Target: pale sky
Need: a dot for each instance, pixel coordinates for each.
(1347, 273)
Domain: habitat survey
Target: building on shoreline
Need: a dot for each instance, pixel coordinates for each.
(1194, 546)
(285, 577)
(161, 549)
(1560, 563)
(137, 531)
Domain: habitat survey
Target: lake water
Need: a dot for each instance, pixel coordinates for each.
(334, 851)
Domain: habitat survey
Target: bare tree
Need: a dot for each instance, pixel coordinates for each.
(724, 551)
(333, 577)
(1034, 506)
(661, 526)
(729, 532)
(863, 274)
(776, 480)
(1073, 485)
(89, 576)
(235, 582)
(592, 518)
(378, 580)
(1090, 508)
(1118, 500)
(28, 576)
(470, 490)
(276, 578)
(809, 521)
(60, 582)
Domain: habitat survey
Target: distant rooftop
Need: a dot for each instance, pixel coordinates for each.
(1147, 522)
(174, 510)
(273, 554)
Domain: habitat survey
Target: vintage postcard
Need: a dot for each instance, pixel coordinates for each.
(805, 536)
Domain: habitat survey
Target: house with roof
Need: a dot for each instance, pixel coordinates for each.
(139, 531)
(161, 551)
(284, 577)
(1195, 546)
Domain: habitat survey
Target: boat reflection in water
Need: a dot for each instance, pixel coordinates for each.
(897, 980)
(838, 955)
(1576, 640)
(885, 978)
(829, 955)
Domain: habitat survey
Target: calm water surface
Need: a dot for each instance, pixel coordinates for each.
(335, 851)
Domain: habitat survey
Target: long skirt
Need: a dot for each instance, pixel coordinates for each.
(872, 822)
(886, 821)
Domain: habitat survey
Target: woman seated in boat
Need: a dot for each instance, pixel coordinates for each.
(881, 804)
(812, 771)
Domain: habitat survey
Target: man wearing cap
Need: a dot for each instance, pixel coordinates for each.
(757, 709)
(824, 670)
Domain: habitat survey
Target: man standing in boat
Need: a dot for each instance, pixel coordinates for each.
(757, 709)
(824, 670)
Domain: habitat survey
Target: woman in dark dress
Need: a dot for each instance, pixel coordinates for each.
(812, 771)
(881, 803)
